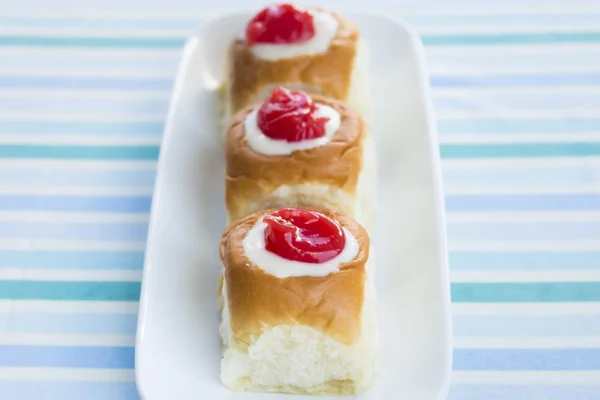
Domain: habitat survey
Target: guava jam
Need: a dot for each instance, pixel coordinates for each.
(302, 235)
(280, 24)
(291, 116)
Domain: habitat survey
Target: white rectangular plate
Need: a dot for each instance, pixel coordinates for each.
(178, 350)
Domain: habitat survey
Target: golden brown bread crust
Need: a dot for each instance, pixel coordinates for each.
(331, 304)
(328, 73)
(250, 175)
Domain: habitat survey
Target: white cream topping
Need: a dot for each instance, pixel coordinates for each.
(263, 144)
(326, 27)
(271, 263)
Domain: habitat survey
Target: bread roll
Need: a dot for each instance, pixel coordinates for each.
(293, 326)
(337, 171)
(333, 62)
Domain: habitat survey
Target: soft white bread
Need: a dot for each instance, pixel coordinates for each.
(303, 334)
(341, 72)
(341, 175)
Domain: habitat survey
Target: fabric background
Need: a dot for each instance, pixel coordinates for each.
(84, 91)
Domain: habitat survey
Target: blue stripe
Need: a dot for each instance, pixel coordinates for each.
(524, 392)
(528, 261)
(74, 231)
(526, 359)
(523, 202)
(129, 152)
(512, 150)
(529, 175)
(71, 323)
(57, 259)
(69, 290)
(116, 106)
(526, 231)
(519, 125)
(48, 176)
(123, 204)
(518, 326)
(524, 39)
(121, 128)
(85, 83)
(66, 356)
(496, 292)
(525, 79)
(64, 390)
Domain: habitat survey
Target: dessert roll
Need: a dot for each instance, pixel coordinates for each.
(303, 49)
(298, 299)
(300, 151)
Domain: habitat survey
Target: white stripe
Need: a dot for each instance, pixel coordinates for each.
(129, 33)
(526, 377)
(423, 8)
(583, 245)
(48, 339)
(424, 27)
(529, 216)
(81, 139)
(79, 116)
(44, 244)
(524, 276)
(81, 94)
(503, 138)
(497, 112)
(526, 162)
(26, 274)
(455, 189)
(66, 217)
(56, 306)
(526, 342)
(133, 74)
(85, 52)
(80, 164)
(77, 190)
(557, 49)
(66, 374)
(476, 66)
(485, 28)
(537, 309)
(489, 92)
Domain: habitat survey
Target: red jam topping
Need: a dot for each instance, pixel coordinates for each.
(302, 235)
(290, 116)
(281, 23)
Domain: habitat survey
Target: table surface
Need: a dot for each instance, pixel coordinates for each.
(84, 90)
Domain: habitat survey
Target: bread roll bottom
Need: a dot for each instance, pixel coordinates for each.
(361, 206)
(300, 359)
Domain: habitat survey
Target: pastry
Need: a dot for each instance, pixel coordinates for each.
(298, 299)
(303, 49)
(300, 151)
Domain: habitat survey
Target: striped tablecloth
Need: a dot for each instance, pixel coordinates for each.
(83, 95)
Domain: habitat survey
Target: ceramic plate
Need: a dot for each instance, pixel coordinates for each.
(178, 350)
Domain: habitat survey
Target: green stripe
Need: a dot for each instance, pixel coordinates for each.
(137, 152)
(94, 42)
(71, 290)
(519, 150)
(525, 292)
(510, 38)
(431, 40)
